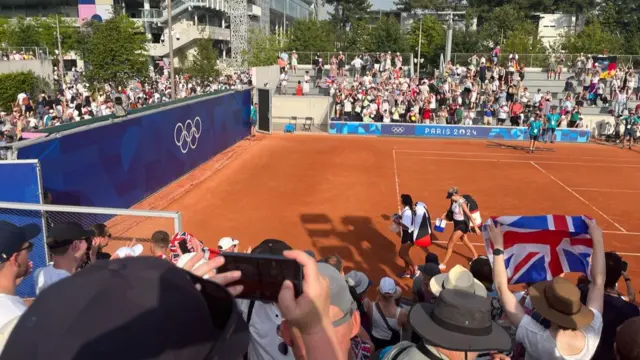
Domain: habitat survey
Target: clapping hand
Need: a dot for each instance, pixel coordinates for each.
(495, 234)
(207, 270)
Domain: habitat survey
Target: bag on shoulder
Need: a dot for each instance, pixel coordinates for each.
(472, 205)
(395, 334)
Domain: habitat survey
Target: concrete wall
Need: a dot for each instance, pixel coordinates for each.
(266, 74)
(317, 107)
(39, 67)
(551, 26)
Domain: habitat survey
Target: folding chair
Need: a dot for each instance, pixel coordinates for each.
(294, 120)
(308, 121)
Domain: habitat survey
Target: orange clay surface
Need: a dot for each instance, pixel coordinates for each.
(335, 194)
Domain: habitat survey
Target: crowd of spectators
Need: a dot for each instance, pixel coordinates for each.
(77, 102)
(480, 92)
(6, 55)
(128, 305)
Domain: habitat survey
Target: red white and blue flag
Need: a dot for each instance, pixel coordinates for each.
(539, 248)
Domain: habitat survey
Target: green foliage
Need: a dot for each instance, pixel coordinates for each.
(39, 32)
(593, 39)
(433, 38)
(262, 49)
(348, 11)
(436, 5)
(203, 64)
(524, 40)
(387, 35)
(357, 39)
(12, 84)
(114, 52)
(311, 35)
(500, 23)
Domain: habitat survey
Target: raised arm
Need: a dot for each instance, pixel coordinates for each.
(595, 299)
(515, 312)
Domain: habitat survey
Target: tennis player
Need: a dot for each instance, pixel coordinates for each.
(405, 220)
(463, 222)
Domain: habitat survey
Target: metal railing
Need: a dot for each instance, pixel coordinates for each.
(541, 60)
(37, 53)
(306, 57)
(160, 15)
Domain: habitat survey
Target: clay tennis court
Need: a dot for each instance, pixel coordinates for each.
(334, 194)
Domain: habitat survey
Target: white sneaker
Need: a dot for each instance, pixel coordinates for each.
(442, 266)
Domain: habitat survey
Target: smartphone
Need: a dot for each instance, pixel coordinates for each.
(263, 275)
(625, 266)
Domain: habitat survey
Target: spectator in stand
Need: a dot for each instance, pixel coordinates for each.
(458, 326)
(359, 283)
(227, 244)
(67, 247)
(387, 318)
(264, 318)
(627, 345)
(160, 244)
(15, 246)
(96, 244)
(420, 289)
(575, 329)
(616, 309)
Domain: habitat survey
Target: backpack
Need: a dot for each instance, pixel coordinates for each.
(471, 203)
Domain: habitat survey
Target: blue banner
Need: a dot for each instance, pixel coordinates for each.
(451, 131)
(120, 164)
(20, 183)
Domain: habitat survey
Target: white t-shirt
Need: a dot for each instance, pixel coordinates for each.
(11, 306)
(48, 275)
(265, 320)
(456, 208)
(541, 345)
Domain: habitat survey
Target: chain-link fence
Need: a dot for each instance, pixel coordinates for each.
(540, 60)
(123, 225)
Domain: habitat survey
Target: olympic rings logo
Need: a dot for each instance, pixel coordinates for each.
(397, 129)
(186, 136)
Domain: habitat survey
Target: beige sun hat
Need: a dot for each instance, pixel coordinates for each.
(457, 278)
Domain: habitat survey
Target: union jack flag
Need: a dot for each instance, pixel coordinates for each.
(539, 248)
(185, 239)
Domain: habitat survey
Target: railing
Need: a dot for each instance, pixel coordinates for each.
(306, 57)
(541, 60)
(189, 32)
(177, 6)
(38, 53)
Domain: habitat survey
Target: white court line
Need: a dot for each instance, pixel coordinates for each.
(515, 161)
(395, 172)
(578, 196)
(612, 190)
(500, 154)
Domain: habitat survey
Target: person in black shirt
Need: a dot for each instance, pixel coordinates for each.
(616, 309)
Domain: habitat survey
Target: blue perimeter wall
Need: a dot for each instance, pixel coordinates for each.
(19, 183)
(451, 131)
(120, 164)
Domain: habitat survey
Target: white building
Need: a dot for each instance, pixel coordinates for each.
(552, 26)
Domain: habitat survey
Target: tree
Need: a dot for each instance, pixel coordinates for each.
(436, 5)
(346, 12)
(500, 22)
(311, 35)
(12, 84)
(433, 38)
(39, 32)
(593, 39)
(262, 48)
(575, 7)
(356, 38)
(524, 40)
(387, 35)
(203, 64)
(114, 51)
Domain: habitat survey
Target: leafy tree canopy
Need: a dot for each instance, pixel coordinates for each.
(12, 84)
(203, 63)
(114, 51)
(39, 32)
(262, 49)
(593, 39)
(311, 35)
(387, 35)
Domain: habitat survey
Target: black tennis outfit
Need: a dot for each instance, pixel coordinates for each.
(407, 220)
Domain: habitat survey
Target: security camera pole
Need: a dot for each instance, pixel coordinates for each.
(171, 74)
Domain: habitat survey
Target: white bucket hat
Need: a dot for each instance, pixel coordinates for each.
(457, 278)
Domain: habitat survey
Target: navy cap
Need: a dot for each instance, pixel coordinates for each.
(12, 237)
(132, 308)
(271, 247)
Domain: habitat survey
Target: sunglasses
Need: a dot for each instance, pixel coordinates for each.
(27, 248)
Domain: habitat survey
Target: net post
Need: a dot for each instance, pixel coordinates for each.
(177, 222)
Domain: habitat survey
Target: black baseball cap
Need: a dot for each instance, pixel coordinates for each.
(12, 237)
(62, 234)
(131, 308)
(451, 192)
(271, 247)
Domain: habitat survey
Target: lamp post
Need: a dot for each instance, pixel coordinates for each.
(60, 56)
(171, 72)
(420, 45)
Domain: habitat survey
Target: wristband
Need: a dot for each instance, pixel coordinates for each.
(627, 279)
(497, 252)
